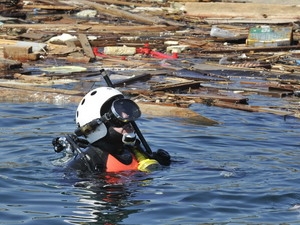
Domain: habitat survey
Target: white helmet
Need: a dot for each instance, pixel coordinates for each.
(93, 106)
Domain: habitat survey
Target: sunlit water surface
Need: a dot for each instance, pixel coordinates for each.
(243, 171)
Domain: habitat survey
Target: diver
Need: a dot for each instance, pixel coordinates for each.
(106, 139)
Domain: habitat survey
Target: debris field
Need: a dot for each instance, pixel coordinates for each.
(166, 55)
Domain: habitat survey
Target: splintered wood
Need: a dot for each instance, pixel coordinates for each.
(164, 55)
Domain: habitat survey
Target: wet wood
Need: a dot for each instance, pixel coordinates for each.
(172, 86)
(253, 11)
(119, 13)
(50, 7)
(140, 78)
(57, 96)
(250, 108)
(172, 111)
(39, 95)
(215, 71)
(8, 64)
(124, 3)
(208, 98)
(20, 53)
(98, 27)
(252, 49)
(86, 46)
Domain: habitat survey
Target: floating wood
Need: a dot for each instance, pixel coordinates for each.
(50, 7)
(252, 49)
(60, 27)
(86, 46)
(250, 108)
(144, 19)
(23, 93)
(205, 82)
(119, 13)
(20, 53)
(172, 111)
(207, 98)
(132, 79)
(176, 86)
(8, 64)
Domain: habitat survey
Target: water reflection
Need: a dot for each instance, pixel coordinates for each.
(106, 198)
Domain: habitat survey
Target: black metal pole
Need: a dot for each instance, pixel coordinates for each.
(134, 125)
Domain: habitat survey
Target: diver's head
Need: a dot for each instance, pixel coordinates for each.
(111, 108)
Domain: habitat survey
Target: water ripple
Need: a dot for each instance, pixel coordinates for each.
(244, 170)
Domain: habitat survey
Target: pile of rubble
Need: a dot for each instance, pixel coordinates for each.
(169, 54)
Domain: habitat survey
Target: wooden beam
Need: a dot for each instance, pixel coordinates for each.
(103, 28)
(86, 46)
(245, 10)
(144, 19)
(50, 7)
(118, 13)
(176, 86)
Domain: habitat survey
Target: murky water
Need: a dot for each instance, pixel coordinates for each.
(245, 170)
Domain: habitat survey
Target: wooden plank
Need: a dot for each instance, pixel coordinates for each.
(86, 46)
(59, 27)
(124, 3)
(250, 108)
(7, 64)
(19, 53)
(251, 49)
(247, 21)
(50, 7)
(117, 12)
(173, 111)
(133, 79)
(205, 98)
(245, 10)
(176, 86)
(130, 16)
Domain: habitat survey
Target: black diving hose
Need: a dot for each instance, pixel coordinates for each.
(134, 125)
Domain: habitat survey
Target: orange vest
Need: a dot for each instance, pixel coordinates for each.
(114, 165)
